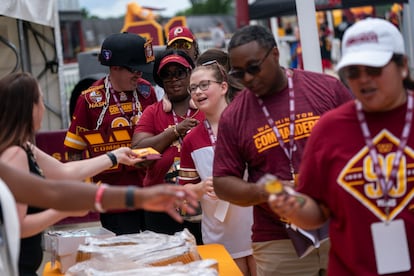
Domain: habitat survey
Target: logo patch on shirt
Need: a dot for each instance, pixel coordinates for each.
(358, 177)
(144, 90)
(95, 99)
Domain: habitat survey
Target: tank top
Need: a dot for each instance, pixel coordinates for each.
(31, 252)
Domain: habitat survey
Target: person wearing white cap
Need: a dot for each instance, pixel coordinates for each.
(357, 166)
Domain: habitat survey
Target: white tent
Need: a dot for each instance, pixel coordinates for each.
(30, 41)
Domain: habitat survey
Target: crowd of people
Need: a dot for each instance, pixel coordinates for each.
(228, 118)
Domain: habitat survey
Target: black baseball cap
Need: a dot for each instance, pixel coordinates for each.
(128, 50)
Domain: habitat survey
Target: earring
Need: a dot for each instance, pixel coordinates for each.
(404, 74)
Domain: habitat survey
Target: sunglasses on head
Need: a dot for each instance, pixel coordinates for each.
(354, 72)
(203, 85)
(219, 66)
(253, 69)
(181, 44)
(178, 74)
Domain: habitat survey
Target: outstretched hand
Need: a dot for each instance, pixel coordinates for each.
(168, 198)
(126, 156)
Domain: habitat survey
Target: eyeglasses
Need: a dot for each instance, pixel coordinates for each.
(203, 85)
(181, 44)
(178, 74)
(251, 69)
(132, 71)
(354, 72)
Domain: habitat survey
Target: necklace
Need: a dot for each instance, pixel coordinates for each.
(136, 105)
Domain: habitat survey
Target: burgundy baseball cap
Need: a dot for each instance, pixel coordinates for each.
(180, 32)
(173, 59)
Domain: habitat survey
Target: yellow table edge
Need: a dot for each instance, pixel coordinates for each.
(226, 264)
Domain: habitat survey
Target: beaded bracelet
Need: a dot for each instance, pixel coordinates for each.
(112, 156)
(98, 198)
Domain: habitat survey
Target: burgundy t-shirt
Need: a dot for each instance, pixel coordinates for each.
(337, 171)
(245, 138)
(155, 120)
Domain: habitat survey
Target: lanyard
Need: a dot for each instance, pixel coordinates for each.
(292, 147)
(135, 105)
(180, 140)
(213, 138)
(386, 185)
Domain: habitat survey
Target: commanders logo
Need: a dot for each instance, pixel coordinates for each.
(95, 96)
(359, 179)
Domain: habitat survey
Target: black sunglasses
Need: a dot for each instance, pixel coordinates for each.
(354, 72)
(253, 69)
(132, 71)
(178, 74)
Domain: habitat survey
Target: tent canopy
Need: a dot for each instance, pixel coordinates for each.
(262, 9)
(38, 11)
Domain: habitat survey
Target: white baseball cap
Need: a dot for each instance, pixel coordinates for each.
(370, 42)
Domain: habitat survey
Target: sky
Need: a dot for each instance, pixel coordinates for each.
(116, 8)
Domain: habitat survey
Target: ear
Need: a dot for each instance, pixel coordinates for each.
(405, 68)
(275, 53)
(224, 87)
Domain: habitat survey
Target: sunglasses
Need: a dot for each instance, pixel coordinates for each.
(251, 69)
(132, 71)
(354, 72)
(219, 66)
(182, 44)
(203, 85)
(178, 74)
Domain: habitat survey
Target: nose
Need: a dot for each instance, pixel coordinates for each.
(247, 77)
(363, 75)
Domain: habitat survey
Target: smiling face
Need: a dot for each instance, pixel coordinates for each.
(176, 81)
(214, 94)
(377, 92)
(123, 79)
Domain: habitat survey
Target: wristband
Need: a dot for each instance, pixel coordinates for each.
(98, 198)
(112, 156)
(129, 197)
